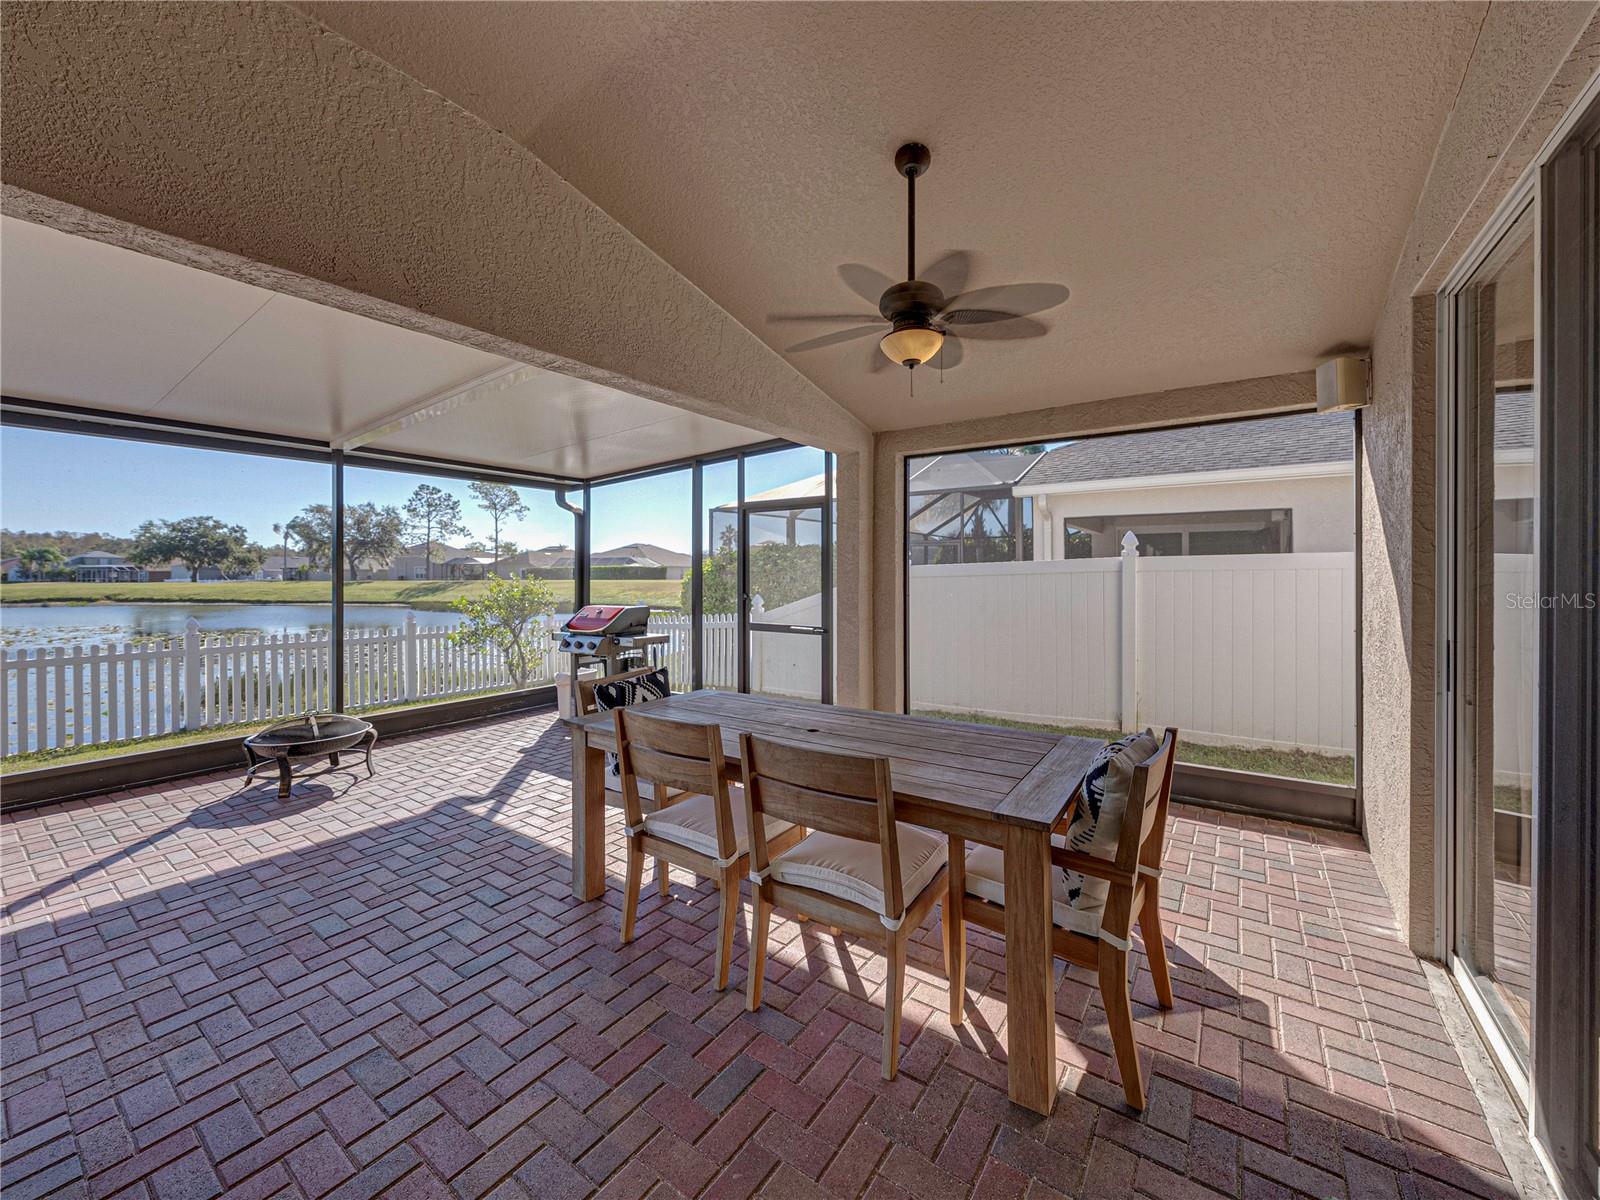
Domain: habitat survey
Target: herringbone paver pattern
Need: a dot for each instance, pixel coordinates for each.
(382, 988)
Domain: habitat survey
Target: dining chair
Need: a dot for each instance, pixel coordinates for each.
(586, 705)
(699, 826)
(858, 869)
(1094, 928)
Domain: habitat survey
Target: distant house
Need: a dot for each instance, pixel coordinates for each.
(673, 564)
(12, 571)
(1255, 487)
(412, 563)
(278, 565)
(467, 566)
(104, 566)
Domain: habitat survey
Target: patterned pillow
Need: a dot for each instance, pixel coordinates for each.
(626, 692)
(1097, 825)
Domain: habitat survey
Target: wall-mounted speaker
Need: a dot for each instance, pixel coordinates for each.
(1343, 384)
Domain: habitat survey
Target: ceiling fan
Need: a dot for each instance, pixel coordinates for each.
(923, 321)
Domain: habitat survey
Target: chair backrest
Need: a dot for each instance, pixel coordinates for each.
(1144, 822)
(586, 687)
(850, 795)
(673, 754)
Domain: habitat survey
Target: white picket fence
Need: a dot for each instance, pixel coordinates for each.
(62, 696)
(1249, 649)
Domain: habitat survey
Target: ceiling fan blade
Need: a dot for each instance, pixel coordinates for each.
(949, 273)
(1009, 329)
(950, 355)
(976, 316)
(1017, 299)
(833, 339)
(865, 282)
(777, 318)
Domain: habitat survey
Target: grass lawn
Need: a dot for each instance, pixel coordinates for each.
(661, 593)
(1296, 764)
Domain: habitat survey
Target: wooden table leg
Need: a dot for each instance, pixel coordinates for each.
(1030, 999)
(588, 819)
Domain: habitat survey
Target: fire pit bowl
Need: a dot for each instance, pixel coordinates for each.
(308, 736)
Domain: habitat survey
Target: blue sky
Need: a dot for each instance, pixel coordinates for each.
(52, 481)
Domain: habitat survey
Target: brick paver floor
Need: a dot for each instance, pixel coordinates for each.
(383, 988)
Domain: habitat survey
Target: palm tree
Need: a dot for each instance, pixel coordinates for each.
(37, 559)
(283, 560)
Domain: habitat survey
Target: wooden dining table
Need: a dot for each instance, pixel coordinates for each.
(981, 783)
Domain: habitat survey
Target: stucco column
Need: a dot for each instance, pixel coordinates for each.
(1398, 595)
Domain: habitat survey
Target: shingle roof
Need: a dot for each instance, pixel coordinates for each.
(1281, 441)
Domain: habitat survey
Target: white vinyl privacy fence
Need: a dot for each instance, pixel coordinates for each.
(1247, 649)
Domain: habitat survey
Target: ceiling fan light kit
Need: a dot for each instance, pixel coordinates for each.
(923, 323)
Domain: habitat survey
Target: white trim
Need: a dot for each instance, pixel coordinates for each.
(1189, 479)
(1502, 1053)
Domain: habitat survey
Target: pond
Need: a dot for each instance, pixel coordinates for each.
(33, 625)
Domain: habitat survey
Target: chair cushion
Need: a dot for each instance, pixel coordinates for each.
(692, 823)
(852, 870)
(986, 874)
(1097, 825)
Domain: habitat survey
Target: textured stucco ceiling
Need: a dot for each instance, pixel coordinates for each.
(1223, 187)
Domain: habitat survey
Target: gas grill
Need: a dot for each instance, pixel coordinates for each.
(617, 636)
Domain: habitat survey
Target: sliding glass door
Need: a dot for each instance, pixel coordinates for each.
(1496, 634)
(1519, 762)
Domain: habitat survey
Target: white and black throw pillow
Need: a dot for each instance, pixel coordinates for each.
(1097, 825)
(624, 693)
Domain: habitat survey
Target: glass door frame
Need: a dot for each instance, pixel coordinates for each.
(1456, 676)
(824, 506)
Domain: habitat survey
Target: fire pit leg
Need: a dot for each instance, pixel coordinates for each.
(285, 778)
(333, 759)
(371, 741)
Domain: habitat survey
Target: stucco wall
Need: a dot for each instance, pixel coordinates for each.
(1530, 63)
(250, 141)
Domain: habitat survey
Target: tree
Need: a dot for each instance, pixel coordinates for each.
(780, 572)
(502, 502)
(39, 559)
(371, 534)
(243, 562)
(196, 542)
(432, 514)
(312, 531)
(506, 615)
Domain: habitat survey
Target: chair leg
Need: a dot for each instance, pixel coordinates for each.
(630, 891)
(955, 931)
(728, 917)
(1119, 1017)
(758, 949)
(892, 996)
(1155, 949)
(663, 876)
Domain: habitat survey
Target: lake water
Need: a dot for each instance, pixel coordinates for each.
(33, 625)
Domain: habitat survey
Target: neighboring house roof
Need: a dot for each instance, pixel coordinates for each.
(1301, 438)
(441, 551)
(974, 471)
(109, 557)
(642, 554)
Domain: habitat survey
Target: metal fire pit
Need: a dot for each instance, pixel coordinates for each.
(309, 736)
